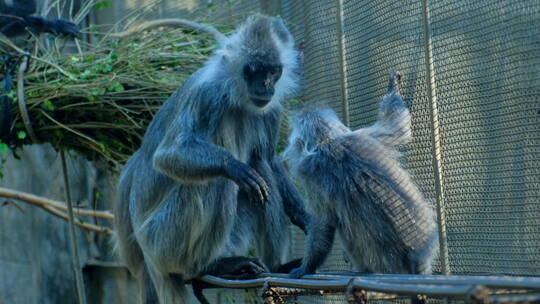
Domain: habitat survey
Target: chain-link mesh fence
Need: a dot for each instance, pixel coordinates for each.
(487, 70)
(485, 142)
(476, 147)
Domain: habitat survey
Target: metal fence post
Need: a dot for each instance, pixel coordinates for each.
(438, 164)
(343, 64)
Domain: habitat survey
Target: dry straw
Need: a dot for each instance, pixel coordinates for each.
(100, 100)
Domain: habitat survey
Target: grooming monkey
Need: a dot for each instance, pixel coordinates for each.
(206, 185)
(356, 186)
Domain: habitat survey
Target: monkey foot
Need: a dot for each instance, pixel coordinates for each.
(237, 267)
(287, 267)
(297, 273)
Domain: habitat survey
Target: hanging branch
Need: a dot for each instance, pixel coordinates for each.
(84, 225)
(48, 203)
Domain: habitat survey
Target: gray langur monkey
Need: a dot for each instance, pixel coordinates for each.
(205, 185)
(355, 185)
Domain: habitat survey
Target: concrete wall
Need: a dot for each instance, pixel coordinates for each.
(35, 260)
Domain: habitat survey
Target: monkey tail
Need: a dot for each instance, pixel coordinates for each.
(394, 83)
(173, 22)
(171, 289)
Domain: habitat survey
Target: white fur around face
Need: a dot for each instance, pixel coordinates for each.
(231, 53)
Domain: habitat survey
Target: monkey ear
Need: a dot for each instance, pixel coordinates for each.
(281, 30)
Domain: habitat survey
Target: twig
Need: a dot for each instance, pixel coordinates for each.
(5, 40)
(45, 202)
(175, 22)
(85, 225)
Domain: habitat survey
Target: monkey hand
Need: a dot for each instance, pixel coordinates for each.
(297, 273)
(248, 180)
(238, 267)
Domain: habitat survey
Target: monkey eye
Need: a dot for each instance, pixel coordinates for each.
(248, 70)
(275, 72)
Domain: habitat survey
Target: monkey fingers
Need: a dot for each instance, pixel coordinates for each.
(249, 180)
(253, 186)
(262, 187)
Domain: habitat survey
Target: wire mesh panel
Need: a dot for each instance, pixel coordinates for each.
(487, 72)
(486, 58)
(314, 23)
(382, 36)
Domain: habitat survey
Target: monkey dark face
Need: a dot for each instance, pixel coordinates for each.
(260, 79)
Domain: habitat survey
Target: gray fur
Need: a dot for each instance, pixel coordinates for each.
(356, 186)
(178, 211)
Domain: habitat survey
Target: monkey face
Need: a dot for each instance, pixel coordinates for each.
(260, 79)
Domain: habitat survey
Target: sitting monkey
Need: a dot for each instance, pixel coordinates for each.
(356, 186)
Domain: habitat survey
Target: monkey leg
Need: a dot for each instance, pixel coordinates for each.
(147, 291)
(271, 227)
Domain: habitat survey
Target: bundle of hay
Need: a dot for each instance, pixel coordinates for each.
(99, 102)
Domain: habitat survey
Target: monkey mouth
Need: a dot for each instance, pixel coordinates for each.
(260, 101)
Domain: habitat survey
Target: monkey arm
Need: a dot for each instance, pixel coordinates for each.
(190, 158)
(319, 242)
(185, 154)
(393, 126)
(293, 202)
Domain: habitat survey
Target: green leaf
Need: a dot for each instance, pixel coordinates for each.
(96, 92)
(107, 68)
(48, 105)
(12, 95)
(21, 135)
(116, 87)
(3, 148)
(103, 4)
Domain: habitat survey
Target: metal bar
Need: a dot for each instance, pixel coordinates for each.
(501, 282)
(515, 298)
(456, 291)
(435, 140)
(342, 64)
